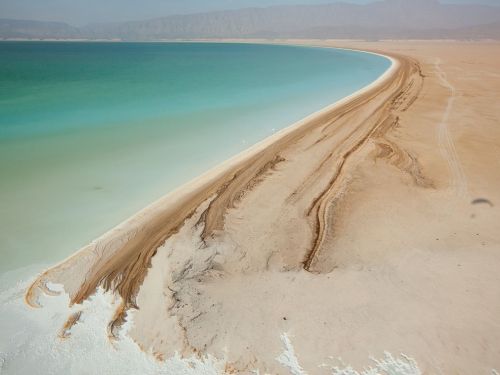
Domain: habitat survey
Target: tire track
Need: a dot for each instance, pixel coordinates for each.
(446, 144)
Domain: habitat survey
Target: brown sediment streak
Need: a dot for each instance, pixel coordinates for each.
(39, 284)
(359, 129)
(403, 160)
(119, 260)
(320, 206)
(408, 85)
(117, 320)
(231, 192)
(72, 320)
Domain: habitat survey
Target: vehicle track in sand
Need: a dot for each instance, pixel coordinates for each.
(446, 143)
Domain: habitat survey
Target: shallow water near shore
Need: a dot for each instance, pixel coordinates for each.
(90, 133)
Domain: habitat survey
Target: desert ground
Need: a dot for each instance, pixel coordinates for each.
(371, 226)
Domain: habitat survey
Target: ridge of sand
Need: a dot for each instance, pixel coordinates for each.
(369, 226)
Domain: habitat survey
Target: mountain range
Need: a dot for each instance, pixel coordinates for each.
(389, 19)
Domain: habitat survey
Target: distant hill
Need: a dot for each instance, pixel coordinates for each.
(394, 19)
(10, 29)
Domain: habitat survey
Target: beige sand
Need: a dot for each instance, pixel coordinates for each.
(371, 226)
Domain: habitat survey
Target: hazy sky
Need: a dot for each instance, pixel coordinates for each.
(79, 12)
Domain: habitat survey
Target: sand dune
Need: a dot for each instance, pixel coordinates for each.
(354, 231)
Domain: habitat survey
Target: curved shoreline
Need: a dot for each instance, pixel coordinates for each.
(298, 173)
(119, 260)
(205, 181)
(398, 261)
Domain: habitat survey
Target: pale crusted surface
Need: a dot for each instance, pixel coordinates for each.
(374, 198)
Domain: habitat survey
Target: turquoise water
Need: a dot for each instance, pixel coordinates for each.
(92, 132)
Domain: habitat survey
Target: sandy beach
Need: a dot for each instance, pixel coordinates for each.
(369, 226)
